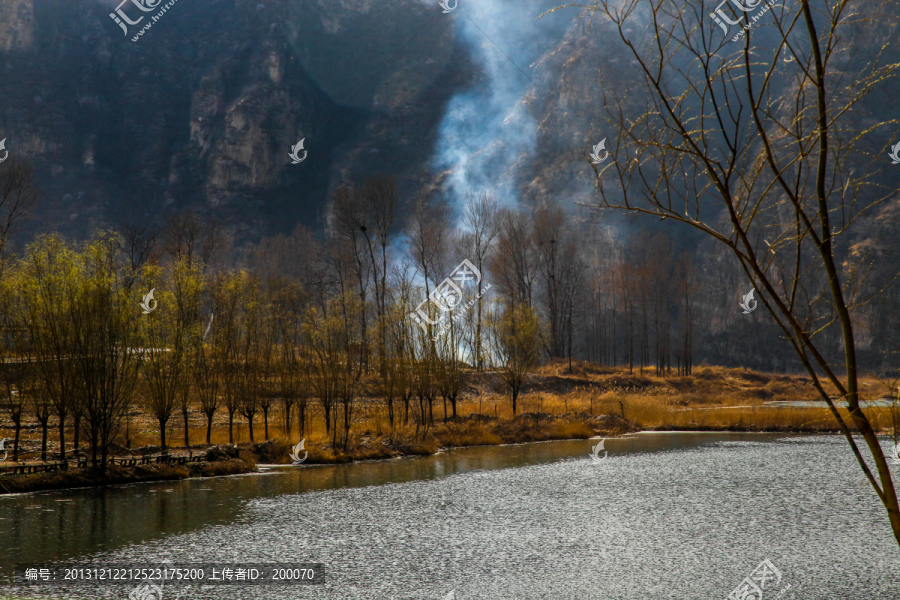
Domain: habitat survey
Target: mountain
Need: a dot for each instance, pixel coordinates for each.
(126, 123)
(202, 109)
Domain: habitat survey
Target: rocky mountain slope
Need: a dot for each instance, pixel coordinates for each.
(203, 108)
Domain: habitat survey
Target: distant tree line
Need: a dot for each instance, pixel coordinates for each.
(264, 331)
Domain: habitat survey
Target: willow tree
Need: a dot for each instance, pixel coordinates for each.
(188, 328)
(104, 319)
(228, 292)
(49, 282)
(16, 369)
(162, 355)
(765, 141)
(515, 343)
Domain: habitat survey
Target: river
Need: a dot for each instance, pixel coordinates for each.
(681, 516)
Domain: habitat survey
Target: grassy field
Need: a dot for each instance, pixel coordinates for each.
(555, 404)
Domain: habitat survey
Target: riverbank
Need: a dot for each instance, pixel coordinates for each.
(87, 477)
(556, 403)
(460, 432)
(475, 430)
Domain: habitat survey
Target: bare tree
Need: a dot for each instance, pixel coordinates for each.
(687, 292)
(334, 369)
(513, 261)
(772, 160)
(481, 216)
(347, 222)
(18, 196)
(186, 235)
(380, 200)
(427, 233)
(41, 408)
(17, 391)
(288, 307)
(139, 243)
(207, 379)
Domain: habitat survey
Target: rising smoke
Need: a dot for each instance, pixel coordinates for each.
(487, 130)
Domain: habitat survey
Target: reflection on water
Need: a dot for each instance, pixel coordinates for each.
(667, 515)
(884, 402)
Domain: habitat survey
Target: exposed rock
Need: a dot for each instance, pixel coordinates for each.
(16, 24)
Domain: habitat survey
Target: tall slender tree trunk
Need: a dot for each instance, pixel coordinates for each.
(94, 443)
(62, 435)
(44, 427)
(209, 420)
(76, 432)
(187, 437)
(162, 433)
(18, 425)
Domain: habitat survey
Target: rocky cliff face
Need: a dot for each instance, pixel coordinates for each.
(16, 24)
(202, 110)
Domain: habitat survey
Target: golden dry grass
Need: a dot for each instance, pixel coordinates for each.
(713, 398)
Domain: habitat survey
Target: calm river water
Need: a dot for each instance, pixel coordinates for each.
(681, 516)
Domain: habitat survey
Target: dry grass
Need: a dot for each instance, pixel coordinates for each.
(713, 398)
(463, 434)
